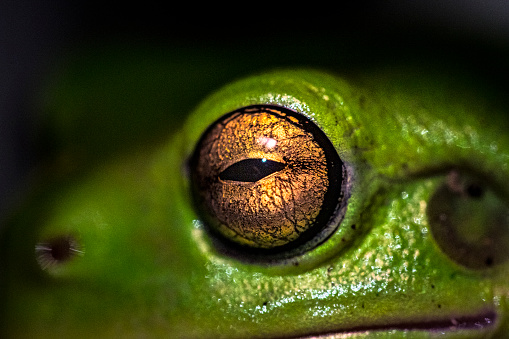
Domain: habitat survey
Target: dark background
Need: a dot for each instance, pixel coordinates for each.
(34, 34)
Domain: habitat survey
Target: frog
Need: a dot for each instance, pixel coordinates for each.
(293, 202)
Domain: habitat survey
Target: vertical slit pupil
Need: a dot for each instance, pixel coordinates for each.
(251, 170)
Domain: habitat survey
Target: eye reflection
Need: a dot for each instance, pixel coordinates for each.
(267, 142)
(267, 178)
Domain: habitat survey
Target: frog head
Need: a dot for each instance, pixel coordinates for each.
(293, 203)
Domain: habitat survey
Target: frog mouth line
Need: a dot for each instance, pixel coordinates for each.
(479, 322)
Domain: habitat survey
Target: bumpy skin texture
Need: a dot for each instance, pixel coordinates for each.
(149, 267)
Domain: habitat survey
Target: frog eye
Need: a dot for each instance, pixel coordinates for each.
(470, 222)
(266, 180)
(56, 251)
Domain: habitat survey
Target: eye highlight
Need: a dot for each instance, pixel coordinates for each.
(267, 180)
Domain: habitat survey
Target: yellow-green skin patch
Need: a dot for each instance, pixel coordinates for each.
(150, 269)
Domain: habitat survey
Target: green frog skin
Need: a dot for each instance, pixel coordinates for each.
(121, 249)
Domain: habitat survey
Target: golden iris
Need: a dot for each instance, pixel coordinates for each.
(266, 177)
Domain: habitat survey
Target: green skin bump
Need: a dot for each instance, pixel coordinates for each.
(150, 269)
